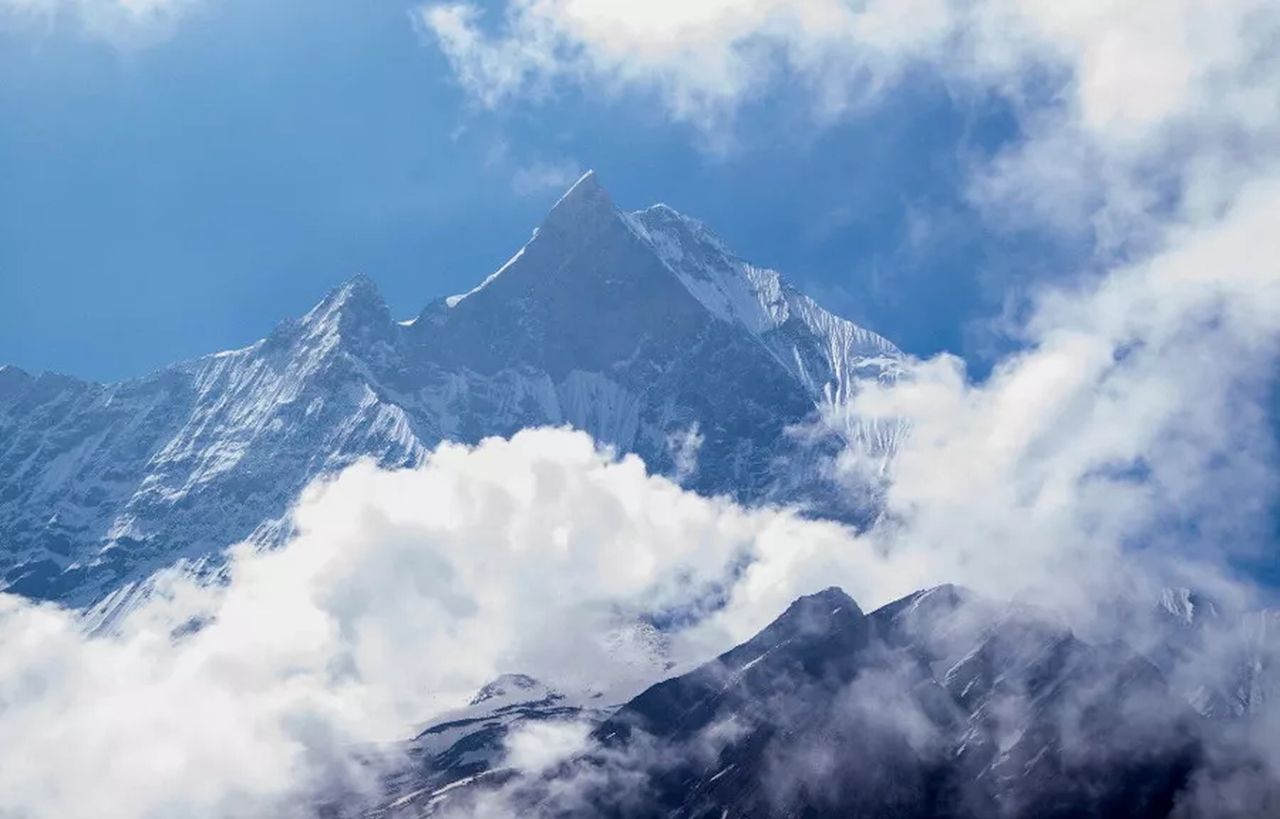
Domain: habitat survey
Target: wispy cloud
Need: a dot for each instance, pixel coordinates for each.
(123, 23)
(1114, 97)
(542, 177)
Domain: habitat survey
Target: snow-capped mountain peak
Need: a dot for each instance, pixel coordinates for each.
(510, 689)
(357, 294)
(636, 328)
(354, 307)
(585, 199)
(13, 380)
(579, 213)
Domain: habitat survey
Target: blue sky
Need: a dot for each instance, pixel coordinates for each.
(166, 201)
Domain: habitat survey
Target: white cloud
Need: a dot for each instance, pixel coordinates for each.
(123, 23)
(542, 177)
(1135, 408)
(405, 591)
(684, 448)
(1115, 96)
(1125, 448)
(538, 746)
(1128, 443)
(1129, 67)
(402, 593)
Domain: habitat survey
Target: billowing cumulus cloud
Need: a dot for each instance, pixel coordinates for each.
(1135, 421)
(402, 593)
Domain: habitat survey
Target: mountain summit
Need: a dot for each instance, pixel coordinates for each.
(639, 328)
(585, 200)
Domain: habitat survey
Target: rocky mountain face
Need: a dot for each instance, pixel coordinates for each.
(1226, 662)
(471, 742)
(941, 704)
(639, 328)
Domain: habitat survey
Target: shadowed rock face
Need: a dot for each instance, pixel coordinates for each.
(938, 705)
(635, 327)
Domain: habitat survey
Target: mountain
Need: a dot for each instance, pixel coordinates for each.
(642, 329)
(941, 704)
(1226, 662)
(470, 742)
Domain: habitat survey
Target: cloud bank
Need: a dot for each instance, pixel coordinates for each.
(1136, 420)
(1130, 442)
(1127, 447)
(402, 593)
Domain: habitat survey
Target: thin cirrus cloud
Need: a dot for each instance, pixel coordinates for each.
(542, 177)
(122, 23)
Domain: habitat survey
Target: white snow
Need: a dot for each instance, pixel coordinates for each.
(452, 301)
(589, 174)
(720, 773)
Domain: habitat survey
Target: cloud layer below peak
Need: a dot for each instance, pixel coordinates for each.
(402, 594)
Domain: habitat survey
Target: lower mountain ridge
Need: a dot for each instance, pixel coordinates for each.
(941, 705)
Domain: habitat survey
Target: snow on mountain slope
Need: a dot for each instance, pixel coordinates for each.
(826, 353)
(638, 328)
(104, 484)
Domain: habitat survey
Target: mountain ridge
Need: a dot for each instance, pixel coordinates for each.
(939, 704)
(592, 323)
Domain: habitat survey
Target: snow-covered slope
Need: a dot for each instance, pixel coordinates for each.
(642, 329)
(826, 353)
